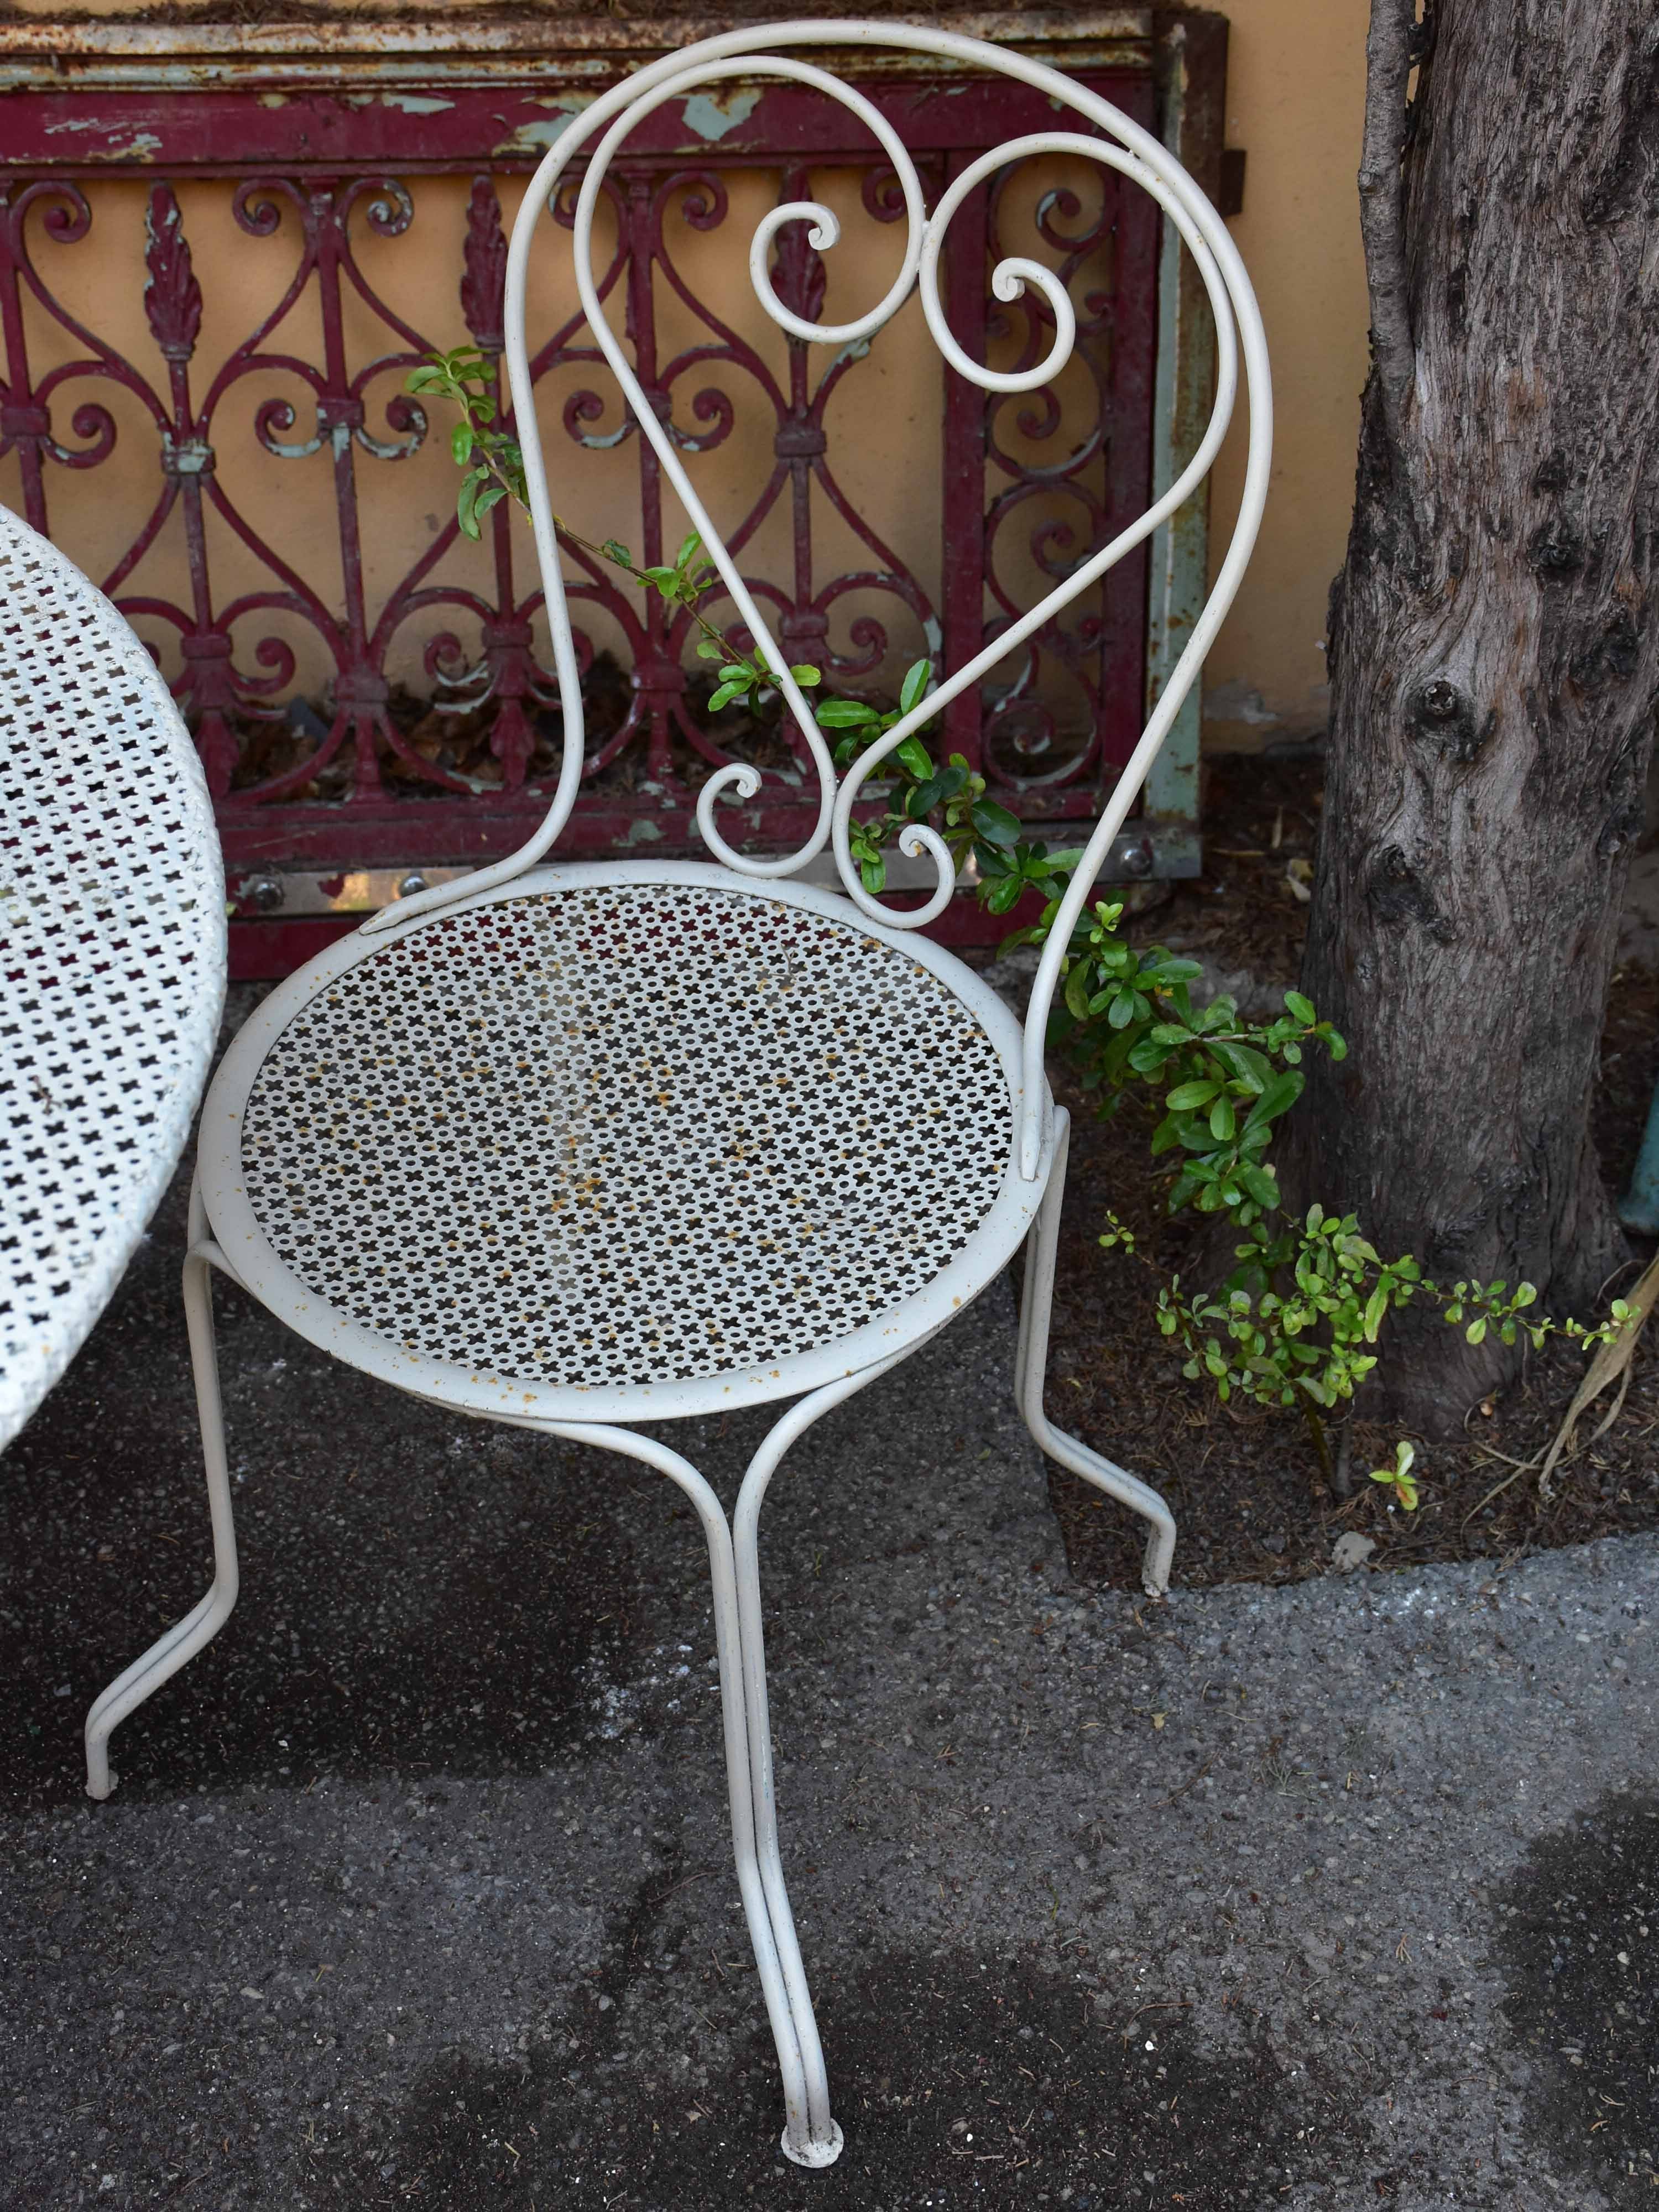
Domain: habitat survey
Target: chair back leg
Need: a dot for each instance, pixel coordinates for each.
(1030, 1370)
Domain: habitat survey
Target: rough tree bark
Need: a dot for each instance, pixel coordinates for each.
(1494, 644)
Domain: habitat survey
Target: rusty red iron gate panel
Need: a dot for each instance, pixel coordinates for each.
(327, 789)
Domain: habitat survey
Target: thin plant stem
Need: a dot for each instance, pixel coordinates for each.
(600, 553)
(1317, 1431)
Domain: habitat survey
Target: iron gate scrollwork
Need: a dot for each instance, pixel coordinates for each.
(367, 768)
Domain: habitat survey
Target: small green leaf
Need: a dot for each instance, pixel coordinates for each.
(913, 688)
(1171, 972)
(845, 714)
(915, 756)
(807, 676)
(1260, 1185)
(725, 695)
(1300, 1008)
(1187, 1097)
(995, 823)
(1250, 1066)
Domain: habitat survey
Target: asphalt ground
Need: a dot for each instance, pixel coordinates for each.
(415, 1888)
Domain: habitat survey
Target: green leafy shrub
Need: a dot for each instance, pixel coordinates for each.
(1296, 1323)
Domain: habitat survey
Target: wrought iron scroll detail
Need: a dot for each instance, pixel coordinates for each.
(1118, 146)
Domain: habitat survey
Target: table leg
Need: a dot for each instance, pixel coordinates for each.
(203, 1623)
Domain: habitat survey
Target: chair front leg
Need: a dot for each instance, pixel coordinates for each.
(1031, 1361)
(810, 2137)
(745, 1536)
(203, 1623)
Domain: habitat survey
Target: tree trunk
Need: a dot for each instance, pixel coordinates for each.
(1494, 656)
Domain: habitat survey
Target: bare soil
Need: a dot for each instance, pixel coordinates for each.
(1245, 1486)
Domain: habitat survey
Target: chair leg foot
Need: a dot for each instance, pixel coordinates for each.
(816, 2154)
(1159, 1557)
(1116, 1482)
(203, 1623)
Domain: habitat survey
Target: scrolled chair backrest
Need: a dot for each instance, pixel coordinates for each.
(1121, 145)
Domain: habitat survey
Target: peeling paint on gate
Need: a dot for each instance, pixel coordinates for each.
(142, 145)
(713, 115)
(412, 103)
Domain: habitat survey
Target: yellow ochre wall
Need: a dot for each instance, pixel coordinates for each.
(1295, 102)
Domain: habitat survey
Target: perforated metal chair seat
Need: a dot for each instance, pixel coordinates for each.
(622, 1134)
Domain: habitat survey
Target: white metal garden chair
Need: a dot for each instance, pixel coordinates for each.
(575, 1147)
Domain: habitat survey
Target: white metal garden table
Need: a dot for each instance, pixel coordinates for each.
(111, 956)
(581, 1147)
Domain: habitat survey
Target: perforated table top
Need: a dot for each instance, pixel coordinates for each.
(111, 956)
(625, 1133)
